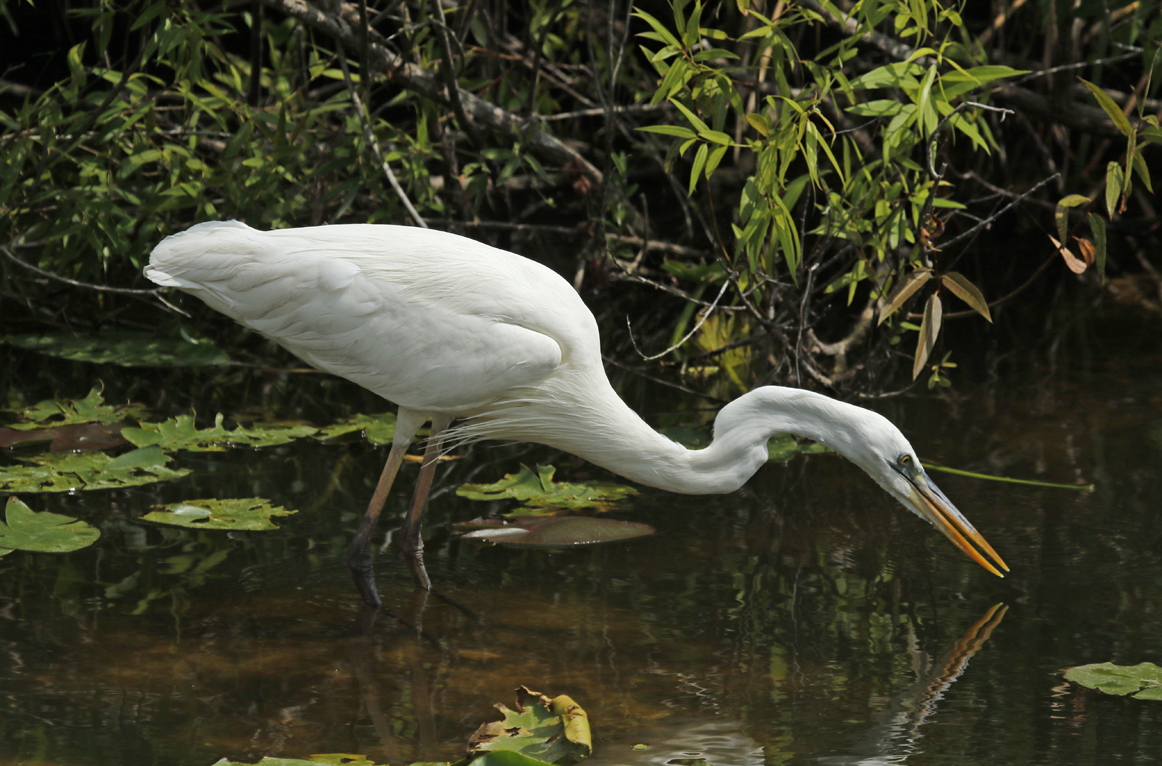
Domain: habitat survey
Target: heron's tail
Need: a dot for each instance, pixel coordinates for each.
(174, 254)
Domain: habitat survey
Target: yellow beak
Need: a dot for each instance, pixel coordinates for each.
(938, 509)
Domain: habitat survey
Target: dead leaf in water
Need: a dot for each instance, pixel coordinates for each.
(83, 437)
(552, 531)
(548, 730)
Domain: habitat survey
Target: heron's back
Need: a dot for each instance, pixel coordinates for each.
(429, 320)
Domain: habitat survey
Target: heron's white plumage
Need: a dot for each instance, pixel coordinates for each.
(442, 324)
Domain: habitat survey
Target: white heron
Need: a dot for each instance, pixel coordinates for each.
(449, 328)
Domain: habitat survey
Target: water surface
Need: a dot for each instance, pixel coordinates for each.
(804, 619)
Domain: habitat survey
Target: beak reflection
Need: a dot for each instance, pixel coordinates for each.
(938, 509)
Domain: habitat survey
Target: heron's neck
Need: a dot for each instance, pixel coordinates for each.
(616, 438)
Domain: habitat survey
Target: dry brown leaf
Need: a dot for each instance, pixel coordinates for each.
(1075, 264)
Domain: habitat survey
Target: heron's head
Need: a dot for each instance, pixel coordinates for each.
(883, 452)
(867, 439)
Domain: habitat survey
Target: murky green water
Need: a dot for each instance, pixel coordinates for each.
(805, 619)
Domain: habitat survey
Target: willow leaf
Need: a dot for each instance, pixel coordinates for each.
(959, 286)
(906, 290)
(929, 329)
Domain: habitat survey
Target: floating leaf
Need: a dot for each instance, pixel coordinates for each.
(93, 470)
(181, 433)
(125, 349)
(959, 286)
(1075, 264)
(906, 290)
(1120, 679)
(45, 532)
(249, 513)
(543, 495)
(550, 730)
(552, 531)
(379, 429)
(929, 329)
(63, 412)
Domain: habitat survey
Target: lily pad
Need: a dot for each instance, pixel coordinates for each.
(1144, 678)
(126, 349)
(252, 514)
(44, 532)
(552, 730)
(181, 433)
(379, 429)
(93, 470)
(544, 496)
(552, 531)
(64, 412)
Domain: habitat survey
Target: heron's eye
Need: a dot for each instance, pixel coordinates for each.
(905, 461)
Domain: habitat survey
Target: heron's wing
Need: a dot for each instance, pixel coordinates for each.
(423, 332)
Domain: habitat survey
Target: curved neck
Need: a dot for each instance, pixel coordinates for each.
(615, 437)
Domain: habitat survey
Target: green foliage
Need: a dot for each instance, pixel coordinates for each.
(45, 532)
(251, 514)
(180, 433)
(65, 412)
(379, 429)
(879, 203)
(543, 496)
(88, 471)
(1143, 681)
(83, 467)
(111, 160)
(830, 155)
(541, 729)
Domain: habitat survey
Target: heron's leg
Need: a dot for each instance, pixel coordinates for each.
(410, 541)
(359, 552)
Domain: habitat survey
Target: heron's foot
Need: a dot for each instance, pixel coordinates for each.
(359, 562)
(412, 548)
